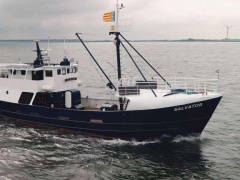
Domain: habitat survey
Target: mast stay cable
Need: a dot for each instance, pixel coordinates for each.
(137, 67)
(146, 61)
(110, 84)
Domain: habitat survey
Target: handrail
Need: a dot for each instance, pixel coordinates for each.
(187, 85)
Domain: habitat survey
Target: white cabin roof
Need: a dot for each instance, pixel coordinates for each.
(29, 66)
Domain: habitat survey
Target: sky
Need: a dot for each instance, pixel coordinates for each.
(151, 19)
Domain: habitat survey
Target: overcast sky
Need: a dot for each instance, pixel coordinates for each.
(153, 19)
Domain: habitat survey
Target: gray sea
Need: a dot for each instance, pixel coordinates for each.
(28, 152)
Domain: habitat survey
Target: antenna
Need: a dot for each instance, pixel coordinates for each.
(48, 43)
(64, 47)
(64, 41)
(228, 27)
(48, 49)
(117, 17)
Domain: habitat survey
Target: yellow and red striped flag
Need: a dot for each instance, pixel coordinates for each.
(109, 16)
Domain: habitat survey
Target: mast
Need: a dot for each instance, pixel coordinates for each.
(118, 57)
(117, 33)
(39, 60)
(117, 15)
(64, 47)
(117, 40)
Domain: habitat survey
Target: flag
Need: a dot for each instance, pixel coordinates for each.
(109, 16)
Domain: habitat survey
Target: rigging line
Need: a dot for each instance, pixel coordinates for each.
(114, 67)
(100, 75)
(146, 61)
(137, 67)
(111, 65)
(92, 64)
(106, 60)
(107, 35)
(77, 34)
(103, 27)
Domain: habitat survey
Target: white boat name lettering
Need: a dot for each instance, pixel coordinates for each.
(181, 108)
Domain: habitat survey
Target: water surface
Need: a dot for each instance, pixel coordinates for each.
(32, 152)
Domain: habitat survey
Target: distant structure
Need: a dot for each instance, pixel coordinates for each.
(228, 27)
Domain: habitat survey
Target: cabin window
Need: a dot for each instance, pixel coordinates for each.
(75, 69)
(68, 70)
(23, 72)
(71, 70)
(40, 99)
(13, 72)
(64, 71)
(56, 99)
(4, 73)
(48, 73)
(37, 75)
(59, 71)
(25, 98)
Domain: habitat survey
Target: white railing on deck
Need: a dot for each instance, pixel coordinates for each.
(188, 85)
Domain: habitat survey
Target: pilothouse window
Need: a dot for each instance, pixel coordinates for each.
(23, 72)
(64, 71)
(37, 75)
(48, 73)
(13, 72)
(59, 71)
(75, 70)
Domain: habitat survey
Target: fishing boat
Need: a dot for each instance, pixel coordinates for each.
(50, 94)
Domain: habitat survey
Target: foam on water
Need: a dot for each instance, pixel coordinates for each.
(120, 142)
(19, 139)
(180, 139)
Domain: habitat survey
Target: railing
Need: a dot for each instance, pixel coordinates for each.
(133, 86)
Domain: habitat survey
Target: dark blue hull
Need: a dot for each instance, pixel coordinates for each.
(138, 124)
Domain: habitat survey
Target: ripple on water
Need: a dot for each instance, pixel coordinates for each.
(35, 153)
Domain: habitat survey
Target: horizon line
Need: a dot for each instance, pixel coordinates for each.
(106, 40)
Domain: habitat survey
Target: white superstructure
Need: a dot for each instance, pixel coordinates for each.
(18, 78)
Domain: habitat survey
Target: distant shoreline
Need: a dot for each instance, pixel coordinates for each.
(76, 40)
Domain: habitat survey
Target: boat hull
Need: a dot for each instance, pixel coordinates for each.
(138, 124)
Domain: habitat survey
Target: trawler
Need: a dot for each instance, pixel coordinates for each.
(50, 94)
